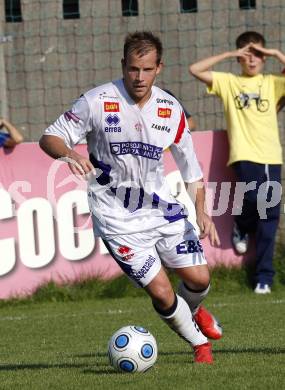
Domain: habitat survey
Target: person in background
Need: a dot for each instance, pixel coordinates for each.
(250, 100)
(281, 103)
(11, 137)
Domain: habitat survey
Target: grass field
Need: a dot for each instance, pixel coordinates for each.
(62, 345)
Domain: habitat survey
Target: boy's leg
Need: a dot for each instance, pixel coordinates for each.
(247, 172)
(265, 236)
(265, 228)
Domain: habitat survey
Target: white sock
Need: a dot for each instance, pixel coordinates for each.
(182, 322)
(193, 298)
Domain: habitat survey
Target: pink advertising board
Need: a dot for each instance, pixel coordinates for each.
(41, 202)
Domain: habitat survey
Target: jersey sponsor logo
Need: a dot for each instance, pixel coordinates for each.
(125, 252)
(189, 246)
(103, 95)
(161, 128)
(113, 129)
(137, 149)
(165, 101)
(111, 107)
(164, 112)
(70, 116)
(112, 120)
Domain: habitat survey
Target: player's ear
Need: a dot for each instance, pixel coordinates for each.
(123, 63)
(159, 68)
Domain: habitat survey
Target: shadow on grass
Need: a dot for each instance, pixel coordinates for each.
(91, 354)
(104, 367)
(98, 368)
(273, 351)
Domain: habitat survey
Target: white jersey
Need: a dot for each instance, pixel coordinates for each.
(129, 192)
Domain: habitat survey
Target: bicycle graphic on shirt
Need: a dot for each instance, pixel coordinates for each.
(243, 100)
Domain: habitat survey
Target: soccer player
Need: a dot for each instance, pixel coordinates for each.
(128, 123)
(250, 101)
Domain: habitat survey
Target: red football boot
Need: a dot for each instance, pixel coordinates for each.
(203, 353)
(208, 324)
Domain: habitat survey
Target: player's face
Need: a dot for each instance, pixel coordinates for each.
(252, 64)
(139, 74)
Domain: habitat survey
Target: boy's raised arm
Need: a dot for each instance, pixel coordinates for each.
(202, 69)
(269, 52)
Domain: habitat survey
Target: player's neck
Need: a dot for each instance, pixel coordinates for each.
(140, 101)
(144, 100)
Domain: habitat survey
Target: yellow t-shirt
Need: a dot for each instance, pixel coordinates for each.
(250, 109)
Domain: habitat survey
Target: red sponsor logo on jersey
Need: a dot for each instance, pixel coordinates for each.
(164, 112)
(125, 252)
(111, 107)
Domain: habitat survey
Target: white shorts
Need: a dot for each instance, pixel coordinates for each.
(140, 255)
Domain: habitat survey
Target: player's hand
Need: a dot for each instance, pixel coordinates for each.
(79, 165)
(208, 228)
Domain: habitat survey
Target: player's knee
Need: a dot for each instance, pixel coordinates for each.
(201, 284)
(196, 278)
(199, 281)
(162, 296)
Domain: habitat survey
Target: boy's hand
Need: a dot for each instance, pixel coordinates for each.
(243, 52)
(253, 47)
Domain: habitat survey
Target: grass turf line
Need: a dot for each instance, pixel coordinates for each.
(62, 345)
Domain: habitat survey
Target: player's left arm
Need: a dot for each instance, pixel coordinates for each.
(191, 123)
(196, 191)
(185, 157)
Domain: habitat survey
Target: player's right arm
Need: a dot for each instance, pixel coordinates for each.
(59, 138)
(202, 69)
(55, 147)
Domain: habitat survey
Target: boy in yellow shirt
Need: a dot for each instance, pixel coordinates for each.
(250, 101)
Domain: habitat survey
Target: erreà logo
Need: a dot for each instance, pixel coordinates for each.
(164, 112)
(111, 107)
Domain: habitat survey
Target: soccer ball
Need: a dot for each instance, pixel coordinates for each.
(132, 349)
